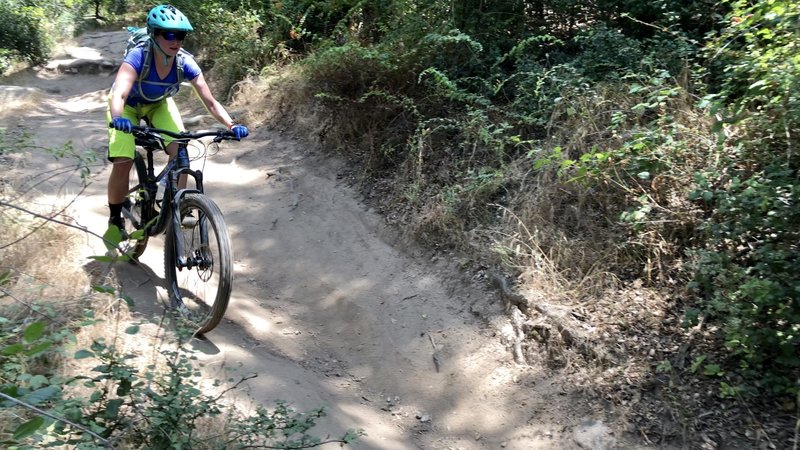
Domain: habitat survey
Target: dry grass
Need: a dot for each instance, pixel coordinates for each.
(281, 100)
(15, 99)
(39, 256)
(44, 284)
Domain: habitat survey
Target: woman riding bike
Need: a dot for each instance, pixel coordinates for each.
(133, 99)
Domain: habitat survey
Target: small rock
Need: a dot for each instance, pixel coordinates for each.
(424, 418)
(594, 435)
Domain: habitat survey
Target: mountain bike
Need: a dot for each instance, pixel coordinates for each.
(198, 262)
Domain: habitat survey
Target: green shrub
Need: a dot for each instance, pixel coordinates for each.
(23, 34)
(29, 30)
(747, 271)
(231, 42)
(116, 402)
(748, 274)
(607, 54)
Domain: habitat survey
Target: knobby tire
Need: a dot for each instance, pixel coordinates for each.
(200, 293)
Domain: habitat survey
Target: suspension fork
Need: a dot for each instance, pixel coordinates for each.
(180, 245)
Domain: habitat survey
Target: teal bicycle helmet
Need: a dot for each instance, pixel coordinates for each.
(167, 17)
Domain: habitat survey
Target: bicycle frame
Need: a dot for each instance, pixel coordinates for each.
(171, 203)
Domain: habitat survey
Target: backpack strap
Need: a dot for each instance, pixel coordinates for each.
(146, 63)
(179, 60)
(147, 48)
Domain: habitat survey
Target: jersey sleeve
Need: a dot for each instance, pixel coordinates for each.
(134, 59)
(191, 69)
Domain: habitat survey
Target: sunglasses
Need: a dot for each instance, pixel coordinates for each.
(173, 35)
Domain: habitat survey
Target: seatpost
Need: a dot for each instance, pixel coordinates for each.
(150, 169)
(183, 157)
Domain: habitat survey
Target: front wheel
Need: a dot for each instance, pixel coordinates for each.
(200, 290)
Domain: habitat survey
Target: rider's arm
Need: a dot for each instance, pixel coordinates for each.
(214, 107)
(123, 83)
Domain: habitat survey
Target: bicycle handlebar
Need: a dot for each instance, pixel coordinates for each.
(219, 135)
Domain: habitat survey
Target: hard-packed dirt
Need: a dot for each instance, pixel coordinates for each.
(329, 307)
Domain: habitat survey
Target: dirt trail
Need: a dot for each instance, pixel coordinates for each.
(325, 309)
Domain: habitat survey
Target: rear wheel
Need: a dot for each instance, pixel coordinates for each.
(137, 211)
(200, 290)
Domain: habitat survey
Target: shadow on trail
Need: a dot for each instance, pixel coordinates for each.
(138, 281)
(134, 280)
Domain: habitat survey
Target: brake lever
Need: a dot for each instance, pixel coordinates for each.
(224, 136)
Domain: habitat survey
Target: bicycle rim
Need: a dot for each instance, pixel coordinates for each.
(137, 210)
(200, 292)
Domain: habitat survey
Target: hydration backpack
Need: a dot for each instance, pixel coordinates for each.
(139, 37)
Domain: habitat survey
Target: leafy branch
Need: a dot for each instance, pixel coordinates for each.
(31, 426)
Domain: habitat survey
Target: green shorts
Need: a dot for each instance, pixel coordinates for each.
(164, 115)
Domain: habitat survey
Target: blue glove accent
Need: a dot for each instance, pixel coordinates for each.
(239, 131)
(122, 124)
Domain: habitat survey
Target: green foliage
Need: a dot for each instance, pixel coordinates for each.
(233, 42)
(28, 350)
(351, 70)
(284, 423)
(118, 402)
(761, 76)
(536, 95)
(23, 34)
(172, 402)
(607, 53)
(242, 38)
(443, 87)
(688, 20)
(454, 52)
(29, 30)
(494, 23)
(746, 271)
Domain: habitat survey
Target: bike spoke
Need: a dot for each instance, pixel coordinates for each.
(204, 284)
